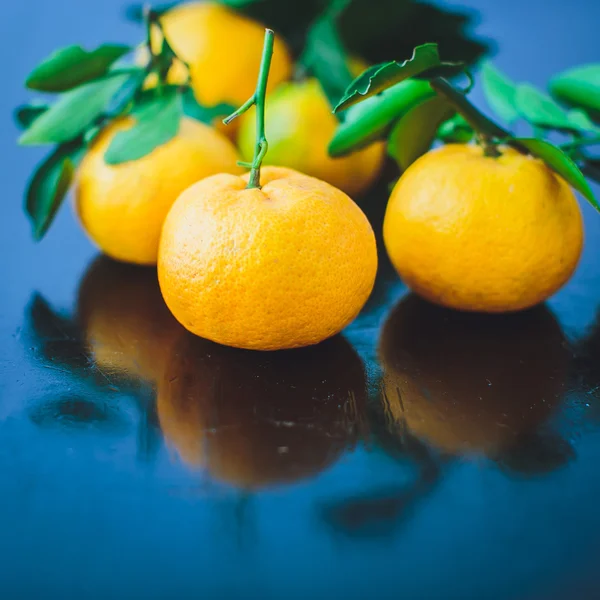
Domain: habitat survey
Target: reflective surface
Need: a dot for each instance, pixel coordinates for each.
(424, 454)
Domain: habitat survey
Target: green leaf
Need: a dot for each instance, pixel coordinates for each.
(74, 112)
(126, 93)
(325, 56)
(415, 131)
(26, 114)
(579, 87)
(193, 109)
(372, 119)
(157, 123)
(471, 114)
(499, 92)
(69, 67)
(91, 134)
(539, 109)
(560, 163)
(377, 78)
(455, 131)
(581, 121)
(49, 186)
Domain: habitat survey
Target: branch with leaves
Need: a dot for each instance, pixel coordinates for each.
(94, 89)
(415, 102)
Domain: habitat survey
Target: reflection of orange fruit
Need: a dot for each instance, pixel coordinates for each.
(223, 50)
(471, 383)
(284, 266)
(299, 127)
(125, 321)
(122, 207)
(483, 234)
(255, 418)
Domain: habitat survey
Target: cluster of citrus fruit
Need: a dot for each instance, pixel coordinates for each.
(282, 257)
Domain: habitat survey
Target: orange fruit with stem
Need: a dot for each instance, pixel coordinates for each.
(201, 35)
(282, 266)
(268, 261)
(299, 130)
(483, 233)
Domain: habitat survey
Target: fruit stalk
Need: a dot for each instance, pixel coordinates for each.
(258, 99)
(161, 60)
(485, 127)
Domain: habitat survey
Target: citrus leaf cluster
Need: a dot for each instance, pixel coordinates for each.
(440, 110)
(324, 35)
(94, 88)
(325, 55)
(86, 81)
(564, 112)
(327, 34)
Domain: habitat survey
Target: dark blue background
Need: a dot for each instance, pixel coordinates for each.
(84, 513)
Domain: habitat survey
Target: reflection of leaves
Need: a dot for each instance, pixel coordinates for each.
(536, 454)
(56, 336)
(149, 435)
(375, 514)
(59, 344)
(48, 324)
(381, 512)
(586, 369)
(74, 412)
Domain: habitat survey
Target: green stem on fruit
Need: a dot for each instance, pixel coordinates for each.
(471, 115)
(486, 128)
(161, 61)
(489, 148)
(258, 99)
(149, 18)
